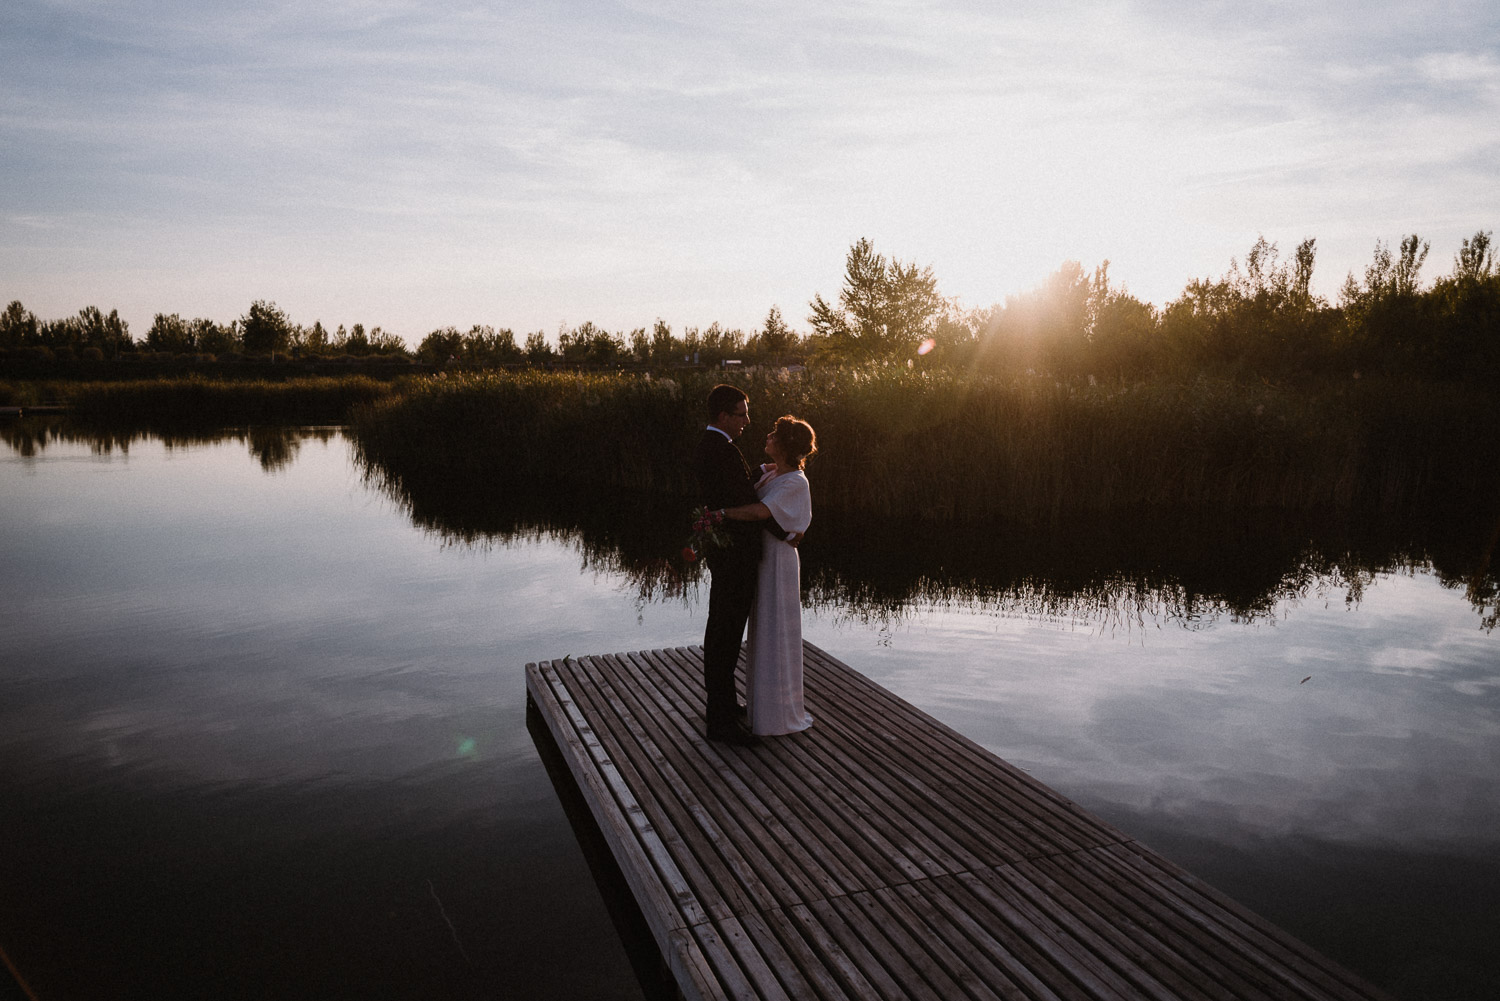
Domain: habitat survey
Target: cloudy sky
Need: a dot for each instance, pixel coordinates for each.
(419, 163)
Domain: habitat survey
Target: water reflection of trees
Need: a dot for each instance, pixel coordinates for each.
(1128, 572)
(1125, 573)
(275, 448)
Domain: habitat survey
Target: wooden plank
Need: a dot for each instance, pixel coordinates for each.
(1018, 800)
(720, 870)
(882, 855)
(759, 817)
(760, 974)
(885, 954)
(1108, 931)
(1193, 954)
(981, 767)
(1033, 926)
(1027, 831)
(664, 910)
(931, 964)
(800, 803)
(1297, 965)
(894, 859)
(616, 802)
(991, 949)
(834, 973)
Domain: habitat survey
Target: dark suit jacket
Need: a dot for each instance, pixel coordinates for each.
(725, 480)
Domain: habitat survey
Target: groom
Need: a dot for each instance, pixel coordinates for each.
(724, 480)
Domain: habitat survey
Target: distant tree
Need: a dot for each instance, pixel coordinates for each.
(170, 332)
(265, 328)
(1123, 335)
(441, 347)
(591, 345)
(886, 308)
(18, 326)
(1465, 315)
(383, 342)
(315, 339)
(776, 339)
(489, 347)
(91, 328)
(1473, 264)
(715, 344)
(692, 345)
(955, 337)
(640, 346)
(359, 342)
(1045, 328)
(1383, 313)
(214, 338)
(664, 347)
(1261, 317)
(481, 347)
(538, 351)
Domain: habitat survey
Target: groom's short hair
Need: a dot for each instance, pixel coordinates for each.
(724, 399)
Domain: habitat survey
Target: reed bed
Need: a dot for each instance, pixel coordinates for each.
(950, 447)
(199, 402)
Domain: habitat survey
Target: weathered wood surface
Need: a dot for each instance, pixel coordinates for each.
(881, 854)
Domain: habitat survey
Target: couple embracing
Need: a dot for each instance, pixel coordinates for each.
(756, 580)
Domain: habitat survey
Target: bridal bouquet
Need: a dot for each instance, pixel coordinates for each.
(706, 534)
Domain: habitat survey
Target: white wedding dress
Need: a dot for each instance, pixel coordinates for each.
(773, 681)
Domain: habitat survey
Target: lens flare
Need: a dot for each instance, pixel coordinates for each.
(927, 346)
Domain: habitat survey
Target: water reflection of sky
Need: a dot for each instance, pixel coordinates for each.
(184, 610)
(187, 618)
(1394, 736)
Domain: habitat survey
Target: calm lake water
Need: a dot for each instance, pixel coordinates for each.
(262, 725)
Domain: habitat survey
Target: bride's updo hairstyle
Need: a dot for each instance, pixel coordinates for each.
(796, 439)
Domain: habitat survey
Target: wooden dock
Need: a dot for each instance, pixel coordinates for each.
(883, 855)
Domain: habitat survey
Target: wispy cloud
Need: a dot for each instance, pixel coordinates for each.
(427, 163)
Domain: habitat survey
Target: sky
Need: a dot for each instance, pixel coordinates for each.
(415, 164)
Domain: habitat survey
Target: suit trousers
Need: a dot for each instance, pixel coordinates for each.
(731, 593)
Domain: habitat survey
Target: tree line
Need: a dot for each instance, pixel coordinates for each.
(1259, 319)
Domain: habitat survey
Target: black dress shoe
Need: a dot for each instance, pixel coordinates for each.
(736, 734)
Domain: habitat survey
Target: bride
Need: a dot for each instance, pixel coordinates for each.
(773, 682)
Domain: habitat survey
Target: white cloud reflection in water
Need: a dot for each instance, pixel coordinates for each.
(1393, 739)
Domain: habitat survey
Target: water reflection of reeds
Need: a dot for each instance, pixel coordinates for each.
(1127, 571)
(1119, 572)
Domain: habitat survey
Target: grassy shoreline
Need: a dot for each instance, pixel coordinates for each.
(197, 401)
(936, 447)
(945, 448)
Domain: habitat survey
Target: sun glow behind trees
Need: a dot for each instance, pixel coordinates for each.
(1262, 318)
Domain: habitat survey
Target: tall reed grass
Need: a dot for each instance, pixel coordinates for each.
(951, 447)
(198, 401)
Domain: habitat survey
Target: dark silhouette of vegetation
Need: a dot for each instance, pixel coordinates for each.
(948, 447)
(265, 329)
(1121, 570)
(886, 309)
(1260, 320)
(198, 402)
(91, 334)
